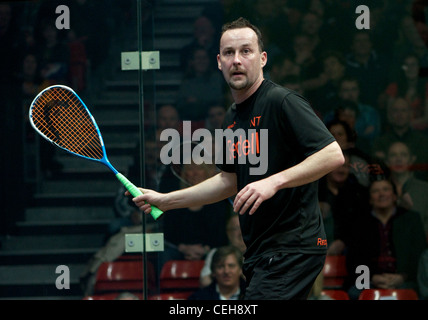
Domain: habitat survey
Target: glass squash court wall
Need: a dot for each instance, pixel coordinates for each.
(60, 210)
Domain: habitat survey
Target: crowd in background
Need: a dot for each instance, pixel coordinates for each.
(369, 86)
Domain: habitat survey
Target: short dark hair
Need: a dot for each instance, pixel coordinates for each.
(221, 254)
(241, 23)
(376, 178)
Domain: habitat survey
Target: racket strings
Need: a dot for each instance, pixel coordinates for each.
(62, 118)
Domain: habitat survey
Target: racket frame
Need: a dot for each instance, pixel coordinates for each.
(156, 213)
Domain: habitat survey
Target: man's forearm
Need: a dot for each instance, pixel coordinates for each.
(217, 188)
(311, 169)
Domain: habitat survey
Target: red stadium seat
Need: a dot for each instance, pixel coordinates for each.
(109, 296)
(129, 256)
(336, 294)
(106, 296)
(121, 276)
(388, 294)
(181, 275)
(334, 272)
(171, 296)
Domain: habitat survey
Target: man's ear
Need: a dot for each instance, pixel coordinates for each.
(218, 62)
(263, 58)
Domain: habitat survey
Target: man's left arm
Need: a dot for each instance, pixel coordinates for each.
(309, 170)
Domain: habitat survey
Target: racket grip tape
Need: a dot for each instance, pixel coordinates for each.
(156, 212)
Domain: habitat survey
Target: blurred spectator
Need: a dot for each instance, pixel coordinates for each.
(413, 88)
(303, 54)
(408, 42)
(385, 17)
(215, 117)
(388, 239)
(113, 249)
(168, 117)
(340, 197)
(361, 164)
(270, 46)
(228, 283)
(368, 122)
(361, 123)
(53, 55)
(423, 276)
(293, 83)
(200, 88)
(234, 236)
(78, 62)
(399, 129)
(411, 191)
(368, 66)
(338, 22)
(204, 36)
(283, 65)
(294, 10)
(311, 26)
(233, 9)
(270, 17)
(30, 76)
(182, 239)
(53, 58)
(324, 89)
(87, 19)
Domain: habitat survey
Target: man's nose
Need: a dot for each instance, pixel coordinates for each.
(236, 59)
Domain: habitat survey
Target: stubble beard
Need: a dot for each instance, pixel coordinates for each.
(239, 85)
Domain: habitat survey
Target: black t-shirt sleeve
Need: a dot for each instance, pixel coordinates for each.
(310, 132)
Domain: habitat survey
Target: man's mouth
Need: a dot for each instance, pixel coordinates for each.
(237, 73)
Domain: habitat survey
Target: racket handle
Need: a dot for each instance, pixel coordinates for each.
(156, 212)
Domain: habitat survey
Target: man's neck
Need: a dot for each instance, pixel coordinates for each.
(400, 131)
(400, 179)
(384, 214)
(227, 291)
(362, 59)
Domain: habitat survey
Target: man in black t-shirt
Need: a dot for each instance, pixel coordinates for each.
(274, 153)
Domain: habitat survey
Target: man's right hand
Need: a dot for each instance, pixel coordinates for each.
(147, 199)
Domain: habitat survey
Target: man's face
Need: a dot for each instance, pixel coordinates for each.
(399, 158)
(339, 133)
(333, 68)
(399, 114)
(168, 118)
(382, 195)
(228, 272)
(362, 44)
(349, 90)
(240, 58)
(216, 116)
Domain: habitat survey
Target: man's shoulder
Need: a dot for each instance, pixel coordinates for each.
(280, 93)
